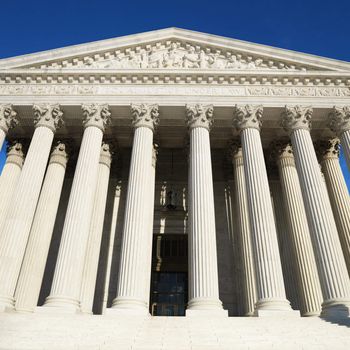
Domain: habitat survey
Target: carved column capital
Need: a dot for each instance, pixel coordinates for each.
(281, 151)
(146, 115)
(296, 117)
(339, 119)
(235, 149)
(199, 116)
(15, 152)
(60, 152)
(97, 115)
(327, 149)
(107, 151)
(48, 115)
(8, 117)
(248, 116)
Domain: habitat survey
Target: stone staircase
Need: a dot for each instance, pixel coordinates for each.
(107, 332)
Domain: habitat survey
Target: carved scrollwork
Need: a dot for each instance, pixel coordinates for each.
(8, 117)
(248, 116)
(296, 117)
(339, 119)
(145, 115)
(97, 115)
(48, 115)
(200, 116)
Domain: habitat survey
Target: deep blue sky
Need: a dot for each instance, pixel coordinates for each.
(317, 27)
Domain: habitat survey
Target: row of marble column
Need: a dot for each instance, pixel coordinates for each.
(27, 222)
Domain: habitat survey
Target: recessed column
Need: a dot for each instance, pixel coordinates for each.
(244, 239)
(33, 265)
(328, 152)
(8, 120)
(331, 266)
(203, 270)
(134, 276)
(66, 285)
(9, 176)
(96, 228)
(268, 269)
(339, 122)
(20, 213)
(303, 258)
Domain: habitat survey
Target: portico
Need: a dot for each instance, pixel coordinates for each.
(172, 102)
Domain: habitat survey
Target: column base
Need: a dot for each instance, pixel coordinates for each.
(311, 314)
(205, 307)
(7, 304)
(273, 304)
(128, 306)
(61, 304)
(338, 308)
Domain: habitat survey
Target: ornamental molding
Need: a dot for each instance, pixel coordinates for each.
(96, 115)
(145, 115)
(296, 117)
(48, 115)
(199, 116)
(247, 116)
(197, 90)
(8, 117)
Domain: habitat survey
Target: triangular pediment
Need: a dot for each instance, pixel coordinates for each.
(173, 49)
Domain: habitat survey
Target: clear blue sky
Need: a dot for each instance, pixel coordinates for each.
(318, 27)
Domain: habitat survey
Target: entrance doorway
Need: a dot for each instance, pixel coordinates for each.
(169, 281)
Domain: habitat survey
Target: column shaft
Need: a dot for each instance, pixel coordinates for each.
(2, 138)
(271, 293)
(131, 281)
(331, 265)
(310, 294)
(95, 236)
(20, 213)
(33, 266)
(65, 290)
(250, 295)
(9, 177)
(203, 271)
(345, 142)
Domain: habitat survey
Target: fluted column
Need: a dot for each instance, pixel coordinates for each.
(339, 122)
(269, 277)
(132, 282)
(8, 120)
(249, 283)
(33, 265)
(283, 235)
(338, 192)
(65, 290)
(20, 213)
(96, 228)
(310, 294)
(203, 270)
(331, 266)
(9, 176)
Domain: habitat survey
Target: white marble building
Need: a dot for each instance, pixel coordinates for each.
(174, 173)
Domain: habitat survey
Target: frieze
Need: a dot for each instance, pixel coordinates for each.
(94, 89)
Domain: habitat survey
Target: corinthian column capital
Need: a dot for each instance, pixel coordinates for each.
(145, 115)
(59, 153)
(97, 115)
(8, 117)
(15, 153)
(48, 115)
(296, 117)
(281, 149)
(199, 116)
(248, 116)
(326, 149)
(339, 119)
(107, 151)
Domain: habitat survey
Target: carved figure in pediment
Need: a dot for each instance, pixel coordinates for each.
(119, 62)
(173, 57)
(232, 61)
(134, 60)
(216, 61)
(144, 63)
(203, 59)
(191, 58)
(155, 59)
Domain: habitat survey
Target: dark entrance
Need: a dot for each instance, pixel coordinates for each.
(169, 275)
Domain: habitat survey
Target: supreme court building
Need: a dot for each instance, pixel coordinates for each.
(173, 173)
